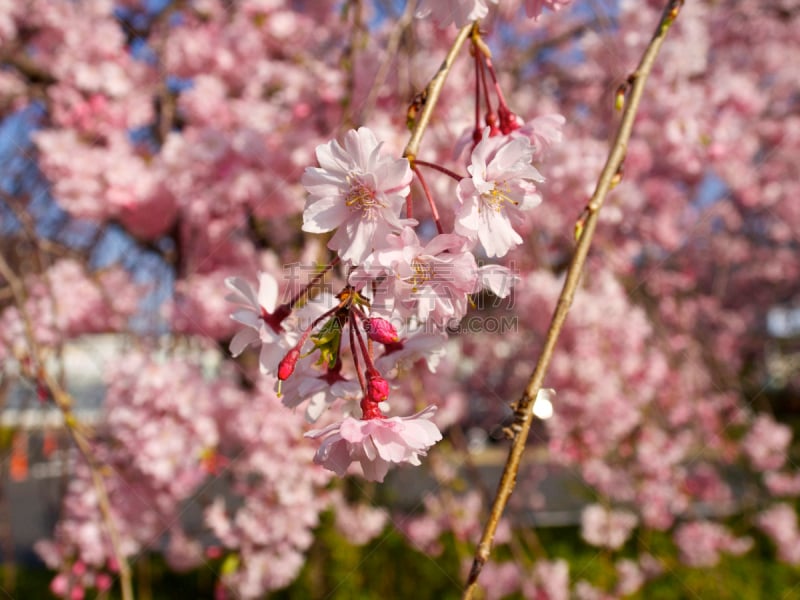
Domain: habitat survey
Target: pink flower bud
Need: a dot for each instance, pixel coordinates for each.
(380, 330)
(59, 585)
(287, 364)
(103, 582)
(77, 593)
(377, 388)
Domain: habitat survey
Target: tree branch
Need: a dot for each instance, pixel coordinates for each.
(432, 91)
(523, 411)
(64, 402)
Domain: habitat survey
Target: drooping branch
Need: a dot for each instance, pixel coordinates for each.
(77, 432)
(432, 91)
(584, 234)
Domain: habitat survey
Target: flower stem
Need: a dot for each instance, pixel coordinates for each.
(523, 411)
(361, 380)
(429, 196)
(439, 168)
(365, 352)
(491, 116)
(476, 133)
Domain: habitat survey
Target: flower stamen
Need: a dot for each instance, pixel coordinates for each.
(423, 272)
(495, 198)
(360, 196)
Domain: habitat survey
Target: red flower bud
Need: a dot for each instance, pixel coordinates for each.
(508, 120)
(377, 388)
(287, 364)
(380, 330)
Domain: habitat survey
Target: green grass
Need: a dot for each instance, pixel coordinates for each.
(388, 569)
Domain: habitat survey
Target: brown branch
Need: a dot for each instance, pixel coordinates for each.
(64, 402)
(28, 68)
(392, 47)
(432, 91)
(585, 233)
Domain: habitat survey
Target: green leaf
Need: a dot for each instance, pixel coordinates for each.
(327, 341)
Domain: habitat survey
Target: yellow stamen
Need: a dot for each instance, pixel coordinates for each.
(423, 272)
(497, 196)
(359, 196)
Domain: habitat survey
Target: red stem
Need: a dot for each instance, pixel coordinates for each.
(439, 168)
(491, 117)
(364, 351)
(426, 189)
(359, 372)
(477, 53)
(500, 98)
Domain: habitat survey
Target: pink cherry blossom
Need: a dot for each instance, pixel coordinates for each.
(320, 389)
(606, 527)
(782, 484)
(766, 443)
(414, 345)
(430, 282)
(259, 316)
(376, 443)
(380, 330)
(356, 192)
(360, 523)
(550, 580)
(779, 522)
(630, 577)
(459, 12)
(699, 236)
(498, 190)
(701, 542)
(543, 132)
(534, 8)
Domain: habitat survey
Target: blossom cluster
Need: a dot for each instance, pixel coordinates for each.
(403, 285)
(186, 131)
(394, 279)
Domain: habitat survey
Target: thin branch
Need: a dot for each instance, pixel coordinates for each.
(392, 47)
(604, 184)
(28, 68)
(64, 402)
(432, 91)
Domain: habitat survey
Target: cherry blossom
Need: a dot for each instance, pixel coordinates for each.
(320, 389)
(376, 443)
(147, 169)
(766, 443)
(779, 522)
(260, 316)
(534, 8)
(431, 282)
(356, 192)
(498, 190)
(543, 132)
(701, 542)
(550, 580)
(606, 527)
(460, 12)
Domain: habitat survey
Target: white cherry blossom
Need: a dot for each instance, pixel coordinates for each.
(496, 193)
(356, 192)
